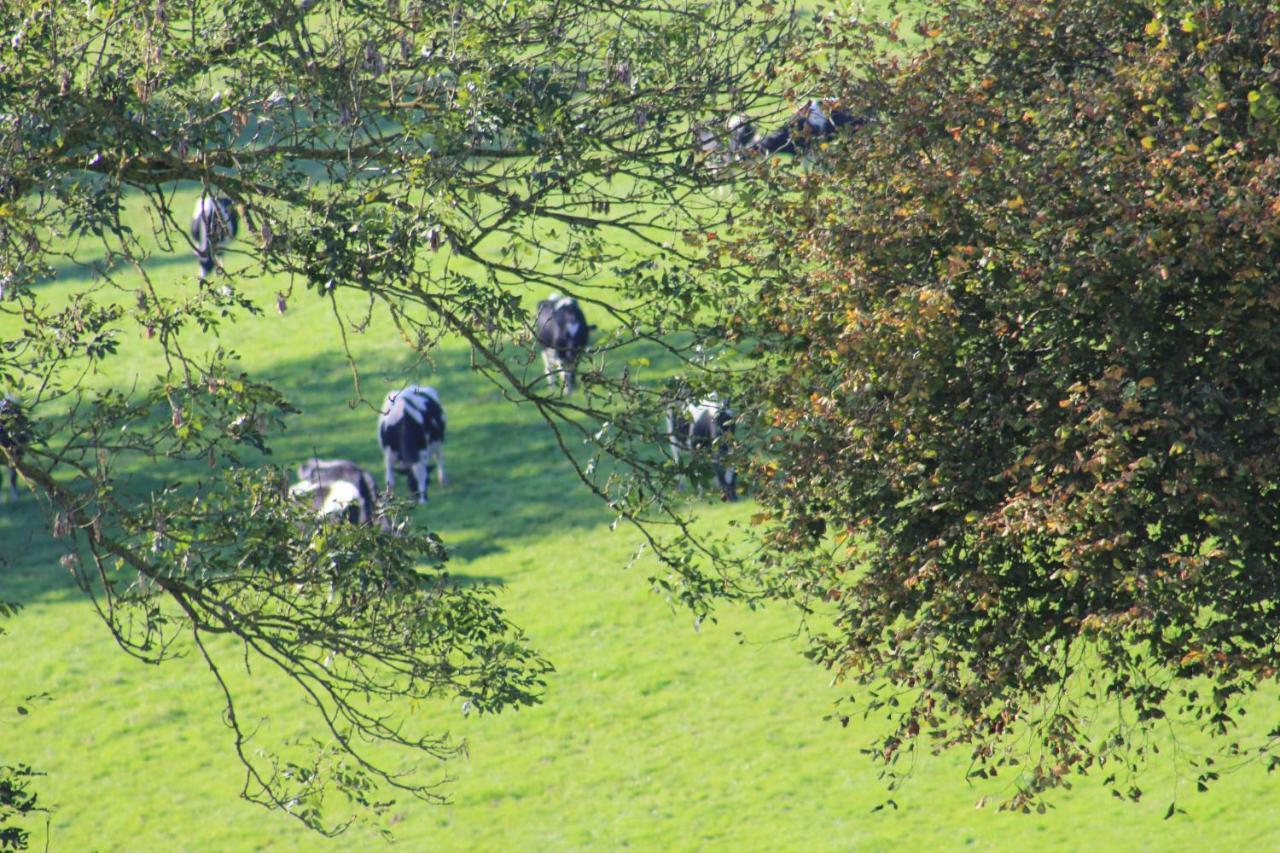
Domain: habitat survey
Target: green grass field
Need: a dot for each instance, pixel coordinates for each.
(653, 734)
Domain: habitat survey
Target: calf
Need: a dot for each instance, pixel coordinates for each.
(701, 428)
(214, 223)
(13, 435)
(562, 331)
(411, 431)
(337, 488)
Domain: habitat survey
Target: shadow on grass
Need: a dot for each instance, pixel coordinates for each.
(476, 580)
(71, 271)
(510, 483)
(508, 477)
(29, 555)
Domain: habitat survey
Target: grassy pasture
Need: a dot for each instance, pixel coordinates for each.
(653, 734)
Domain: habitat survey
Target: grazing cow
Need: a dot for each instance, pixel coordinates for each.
(702, 427)
(810, 123)
(562, 331)
(13, 435)
(411, 431)
(214, 223)
(338, 488)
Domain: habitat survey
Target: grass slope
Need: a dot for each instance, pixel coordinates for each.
(653, 734)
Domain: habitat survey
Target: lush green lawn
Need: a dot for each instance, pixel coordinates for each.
(653, 734)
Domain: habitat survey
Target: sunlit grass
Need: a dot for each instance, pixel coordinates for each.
(654, 733)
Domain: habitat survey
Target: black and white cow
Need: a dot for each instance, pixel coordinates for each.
(817, 120)
(703, 428)
(411, 432)
(214, 223)
(338, 488)
(562, 332)
(13, 435)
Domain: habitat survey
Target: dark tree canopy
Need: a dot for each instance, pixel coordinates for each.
(444, 160)
(1016, 355)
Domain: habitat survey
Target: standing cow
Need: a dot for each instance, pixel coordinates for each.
(338, 488)
(13, 435)
(562, 332)
(702, 428)
(411, 431)
(214, 224)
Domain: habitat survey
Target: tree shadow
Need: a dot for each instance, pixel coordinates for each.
(468, 581)
(71, 272)
(465, 549)
(29, 555)
(508, 476)
(510, 482)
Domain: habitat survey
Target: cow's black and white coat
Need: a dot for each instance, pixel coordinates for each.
(815, 121)
(337, 488)
(214, 223)
(562, 331)
(411, 431)
(702, 428)
(13, 435)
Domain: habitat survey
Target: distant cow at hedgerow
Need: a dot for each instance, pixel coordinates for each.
(815, 121)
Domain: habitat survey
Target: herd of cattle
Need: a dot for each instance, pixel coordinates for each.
(411, 433)
(812, 123)
(411, 428)
(411, 423)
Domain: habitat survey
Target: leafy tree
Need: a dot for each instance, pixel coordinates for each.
(1016, 347)
(16, 803)
(444, 159)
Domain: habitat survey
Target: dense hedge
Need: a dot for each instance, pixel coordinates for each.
(1021, 352)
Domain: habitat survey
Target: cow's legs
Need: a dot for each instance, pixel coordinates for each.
(671, 436)
(675, 446)
(437, 450)
(418, 473)
(727, 481)
(391, 471)
(550, 362)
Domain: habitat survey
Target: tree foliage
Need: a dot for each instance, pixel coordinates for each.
(1016, 352)
(444, 160)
